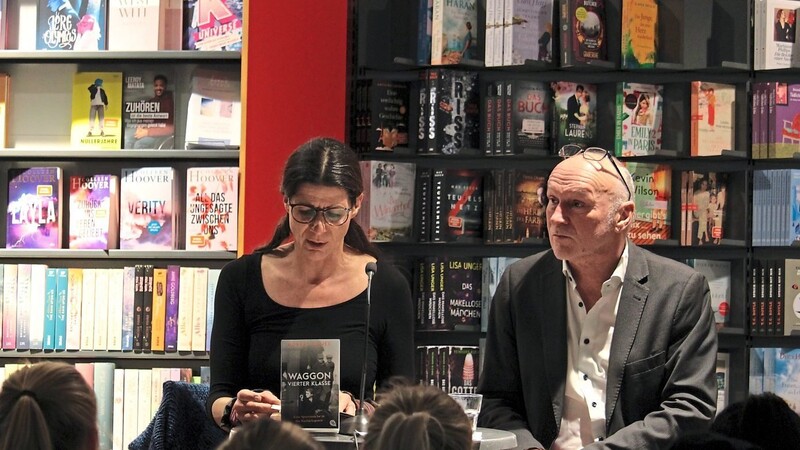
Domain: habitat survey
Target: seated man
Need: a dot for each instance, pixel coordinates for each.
(598, 343)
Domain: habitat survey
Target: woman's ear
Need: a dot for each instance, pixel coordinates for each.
(357, 204)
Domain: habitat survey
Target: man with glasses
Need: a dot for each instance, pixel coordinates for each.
(598, 343)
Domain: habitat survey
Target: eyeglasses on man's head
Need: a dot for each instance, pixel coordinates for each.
(593, 154)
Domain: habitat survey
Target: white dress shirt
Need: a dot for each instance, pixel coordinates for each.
(589, 336)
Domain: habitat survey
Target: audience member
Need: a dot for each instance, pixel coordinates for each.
(47, 406)
(711, 441)
(269, 434)
(420, 418)
(765, 420)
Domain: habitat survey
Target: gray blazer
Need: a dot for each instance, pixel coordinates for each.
(661, 379)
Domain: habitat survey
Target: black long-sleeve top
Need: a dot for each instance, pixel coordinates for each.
(249, 326)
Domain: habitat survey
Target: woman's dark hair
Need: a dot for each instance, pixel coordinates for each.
(765, 420)
(418, 417)
(47, 406)
(323, 162)
(269, 434)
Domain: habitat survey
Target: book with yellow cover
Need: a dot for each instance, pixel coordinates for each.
(639, 33)
(97, 110)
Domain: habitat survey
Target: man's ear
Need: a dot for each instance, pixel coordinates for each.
(626, 215)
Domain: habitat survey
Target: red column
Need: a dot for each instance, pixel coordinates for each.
(294, 78)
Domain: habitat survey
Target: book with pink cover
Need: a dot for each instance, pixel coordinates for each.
(148, 210)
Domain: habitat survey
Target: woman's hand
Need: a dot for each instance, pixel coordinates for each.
(347, 403)
(253, 405)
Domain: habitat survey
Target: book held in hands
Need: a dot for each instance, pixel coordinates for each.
(310, 383)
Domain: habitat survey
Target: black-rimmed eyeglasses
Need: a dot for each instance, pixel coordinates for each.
(593, 154)
(334, 215)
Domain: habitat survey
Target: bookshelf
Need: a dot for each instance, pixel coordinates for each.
(708, 40)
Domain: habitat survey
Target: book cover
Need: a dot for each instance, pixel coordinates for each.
(639, 33)
(456, 205)
(148, 113)
(528, 36)
(310, 383)
(148, 210)
(387, 209)
(530, 116)
(93, 212)
(574, 116)
(213, 117)
(706, 206)
(212, 24)
(457, 110)
(463, 364)
(212, 208)
(778, 34)
(97, 110)
(34, 208)
(71, 25)
(712, 118)
(718, 274)
(588, 29)
(784, 126)
(387, 117)
(722, 374)
(653, 194)
(526, 207)
(133, 25)
(454, 32)
(791, 298)
(638, 119)
(462, 293)
(781, 373)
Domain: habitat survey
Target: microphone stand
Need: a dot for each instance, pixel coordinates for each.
(357, 425)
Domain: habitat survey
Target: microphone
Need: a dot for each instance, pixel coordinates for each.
(357, 425)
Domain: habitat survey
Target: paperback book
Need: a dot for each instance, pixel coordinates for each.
(212, 208)
(97, 110)
(93, 212)
(528, 36)
(454, 32)
(212, 24)
(133, 25)
(652, 196)
(638, 119)
(574, 117)
(387, 211)
(583, 35)
(530, 116)
(457, 110)
(148, 210)
(704, 205)
(712, 118)
(776, 370)
(526, 206)
(456, 205)
(213, 118)
(718, 275)
(34, 208)
(310, 383)
(71, 25)
(639, 33)
(148, 115)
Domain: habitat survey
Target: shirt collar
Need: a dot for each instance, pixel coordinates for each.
(617, 276)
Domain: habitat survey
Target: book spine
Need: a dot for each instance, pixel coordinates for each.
(487, 122)
(101, 303)
(38, 299)
(118, 409)
(438, 206)
(138, 307)
(23, 306)
(199, 303)
(49, 342)
(131, 406)
(116, 298)
(437, 30)
(566, 32)
(173, 298)
(159, 308)
(213, 279)
(147, 308)
(74, 299)
(508, 125)
(104, 393)
(144, 397)
(128, 306)
(87, 309)
(185, 308)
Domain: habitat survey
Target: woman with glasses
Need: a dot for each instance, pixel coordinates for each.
(308, 282)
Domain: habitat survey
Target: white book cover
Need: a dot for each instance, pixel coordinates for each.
(199, 309)
(185, 309)
(102, 301)
(148, 210)
(718, 274)
(144, 394)
(134, 25)
(104, 391)
(115, 299)
(119, 409)
(23, 306)
(74, 298)
(213, 278)
(10, 306)
(87, 309)
(214, 115)
(212, 208)
(310, 383)
(38, 282)
(156, 392)
(722, 375)
(778, 36)
(130, 426)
